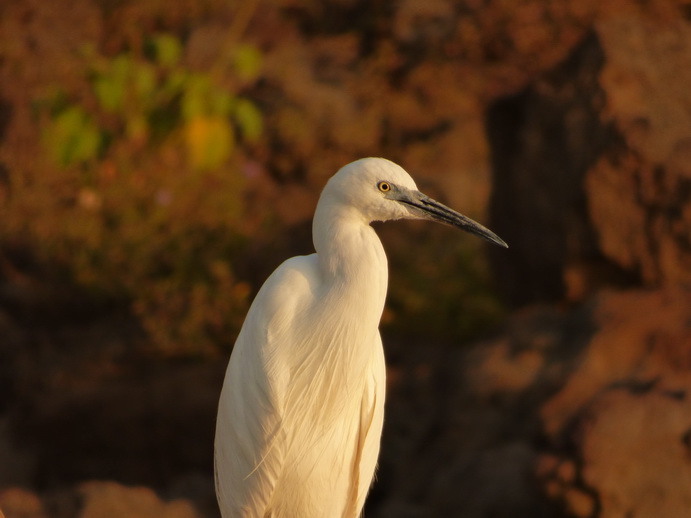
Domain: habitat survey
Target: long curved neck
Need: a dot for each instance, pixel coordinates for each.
(351, 256)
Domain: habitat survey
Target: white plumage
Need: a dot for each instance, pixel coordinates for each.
(301, 410)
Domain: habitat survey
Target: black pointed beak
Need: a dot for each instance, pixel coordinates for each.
(428, 208)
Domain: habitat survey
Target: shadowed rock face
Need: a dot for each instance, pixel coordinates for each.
(639, 192)
(591, 166)
(544, 140)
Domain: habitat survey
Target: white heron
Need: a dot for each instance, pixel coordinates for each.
(301, 410)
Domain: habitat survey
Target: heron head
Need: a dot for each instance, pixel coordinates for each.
(380, 190)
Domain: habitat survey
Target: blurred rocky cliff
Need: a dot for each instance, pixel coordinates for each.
(549, 380)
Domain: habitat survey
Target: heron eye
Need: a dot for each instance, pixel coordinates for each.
(384, 186)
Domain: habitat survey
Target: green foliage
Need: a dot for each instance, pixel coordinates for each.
(166, 49)
(145, 202)
(72, 137)
(132, 93)
(247, 62)
(249, 119)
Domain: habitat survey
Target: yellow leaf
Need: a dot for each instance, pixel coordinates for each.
(209, 141)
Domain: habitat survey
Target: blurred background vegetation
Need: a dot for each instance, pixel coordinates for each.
(137, 191)
(150, 202)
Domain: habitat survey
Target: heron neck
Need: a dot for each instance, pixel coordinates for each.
(349, 249)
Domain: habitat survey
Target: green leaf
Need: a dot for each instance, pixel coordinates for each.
(220, 102)
(144, 78)
(72, 137)
(120, 68)
(111, 81)
(110, 94)
(247, 61)
(194, 98)
(167, 49)
(249, 118)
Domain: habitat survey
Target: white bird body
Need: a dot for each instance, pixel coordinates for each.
(301, 410)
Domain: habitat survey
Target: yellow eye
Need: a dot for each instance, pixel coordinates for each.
(384, 186)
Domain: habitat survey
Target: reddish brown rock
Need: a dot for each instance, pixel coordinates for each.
(110, 499)
(622, 419)
(636, 453)
(94, 499)
(643, 338)
(16, 502)
(639, 192)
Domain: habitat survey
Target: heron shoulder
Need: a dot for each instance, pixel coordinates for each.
(261, 349)
(288, 290)
(294, 279)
